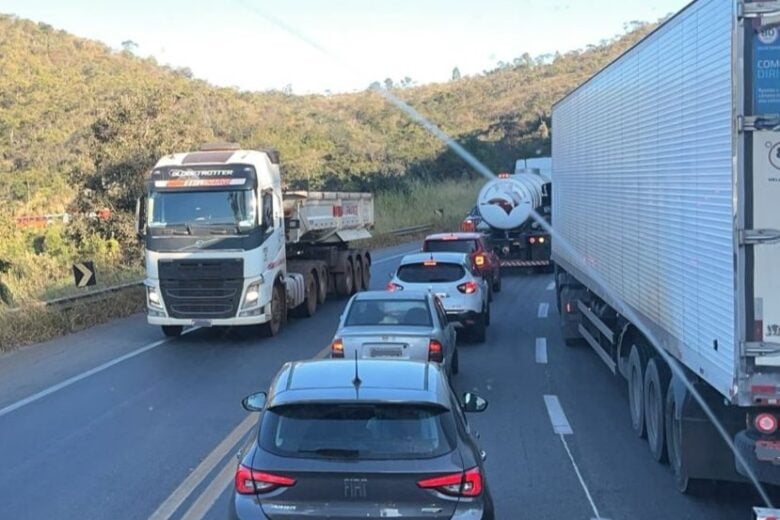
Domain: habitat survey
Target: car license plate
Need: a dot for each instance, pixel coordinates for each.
(385, 351)
(201, 323)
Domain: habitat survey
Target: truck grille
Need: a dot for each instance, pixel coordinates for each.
(201, 289)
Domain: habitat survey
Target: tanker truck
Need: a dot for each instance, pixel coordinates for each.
(225, 245)
(503, 214)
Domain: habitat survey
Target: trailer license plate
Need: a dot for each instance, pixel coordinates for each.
(768, 451)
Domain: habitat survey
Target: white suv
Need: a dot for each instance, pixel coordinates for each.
(463, 294)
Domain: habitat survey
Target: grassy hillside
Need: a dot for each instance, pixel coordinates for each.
(80, 124)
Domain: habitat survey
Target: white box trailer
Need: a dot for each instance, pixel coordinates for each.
(666, 193)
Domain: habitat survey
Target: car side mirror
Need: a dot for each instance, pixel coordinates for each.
(472, 403)
(255, 402)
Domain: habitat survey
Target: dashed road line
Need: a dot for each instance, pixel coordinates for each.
(551, 286)
(541, 350)
(544, 309)
(558, 418)
(582, 480)
(91, 372)
(171, 504)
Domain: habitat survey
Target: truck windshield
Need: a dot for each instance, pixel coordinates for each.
(234, 208)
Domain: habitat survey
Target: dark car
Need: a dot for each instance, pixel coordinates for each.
(485, 261)
(369, 439)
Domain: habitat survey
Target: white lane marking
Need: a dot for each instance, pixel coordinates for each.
(211, 494)
(185, 489)
(541, 350)
(400, 255)
(582, 480)
(91, 372)
(551, 286)
(558, 418)
(544, 309)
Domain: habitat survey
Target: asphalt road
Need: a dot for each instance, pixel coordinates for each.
(116, 422)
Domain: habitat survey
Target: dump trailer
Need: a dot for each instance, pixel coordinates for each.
(225, 245)
(503, 214)
(666, 182)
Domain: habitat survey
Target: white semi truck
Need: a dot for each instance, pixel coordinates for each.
(226, 245)
(666, 193)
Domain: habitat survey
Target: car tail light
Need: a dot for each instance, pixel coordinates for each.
(766, 423)
(479, 260)
(463, 484)
(250, 481)
(468, 287)
(435, 351)
(392, 287)
(532, 240)
(337, 348)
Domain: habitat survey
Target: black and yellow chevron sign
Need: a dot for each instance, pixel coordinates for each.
(84, 274)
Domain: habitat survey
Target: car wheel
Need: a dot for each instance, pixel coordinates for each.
(497, 282)
(454, 368)
(478, 330)
(172, 331)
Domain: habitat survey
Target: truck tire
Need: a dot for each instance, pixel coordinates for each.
(635, 392)
(487, 315)
(322, 286)
(172, 331)
(454, 367)
(357, 284)
(274, 325)
(366, 272)
(673, 422)
(655, 385)
(345, 279)
(308, 308)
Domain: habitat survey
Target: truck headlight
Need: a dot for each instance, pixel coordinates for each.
(153, 297)
(252, 295)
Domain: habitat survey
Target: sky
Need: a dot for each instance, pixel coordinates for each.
(316, 46)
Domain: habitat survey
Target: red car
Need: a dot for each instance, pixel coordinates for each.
(485, 261)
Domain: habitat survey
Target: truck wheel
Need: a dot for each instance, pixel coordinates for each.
(366, 272)
(477, 331)
(358, 274)
(673, 423)
(656, 382)
(271, 328)
(487, 315)
(322, 286)
(344, 280)
(635, 387)
(454, 368)
(172, 331)
(497, 282)
(309, 305)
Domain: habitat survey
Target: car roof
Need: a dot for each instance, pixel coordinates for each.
(331, 380)
(390, 295)
(461, 235)
(445, 257)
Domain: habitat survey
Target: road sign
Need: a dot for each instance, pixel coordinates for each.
(84, 274)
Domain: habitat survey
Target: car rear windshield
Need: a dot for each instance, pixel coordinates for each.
(389, 312)
(359, 431)
(429, 272)
(451, 246)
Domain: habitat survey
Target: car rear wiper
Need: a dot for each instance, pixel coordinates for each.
(333, 452)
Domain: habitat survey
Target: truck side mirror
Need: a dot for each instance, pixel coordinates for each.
(140, 217)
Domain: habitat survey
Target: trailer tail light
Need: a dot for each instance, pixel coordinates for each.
(532, 240)
(249, 481)
(337, 348)
(479, 260)
(392, 287)
(435, 351)
(765, 423)
(468, 287)
(569, 307)
(468, 225)
(465, 484)
(541, 240)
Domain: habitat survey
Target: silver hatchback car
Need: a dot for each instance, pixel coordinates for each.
(409, 325)
(463, 294)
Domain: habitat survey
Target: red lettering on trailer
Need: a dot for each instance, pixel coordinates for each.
(338, 211)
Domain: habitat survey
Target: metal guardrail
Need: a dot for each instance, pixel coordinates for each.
(96, 295)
